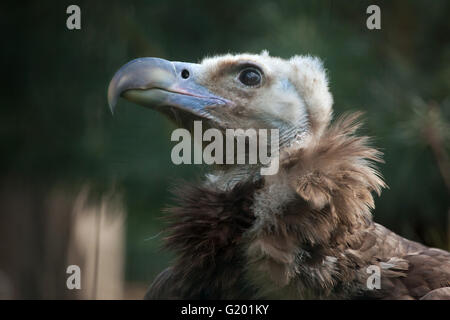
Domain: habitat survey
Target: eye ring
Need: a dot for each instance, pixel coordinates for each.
(251, 77)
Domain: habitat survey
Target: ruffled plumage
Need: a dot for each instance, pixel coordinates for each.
(317, 242)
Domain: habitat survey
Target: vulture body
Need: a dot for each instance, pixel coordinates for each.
(305, 232)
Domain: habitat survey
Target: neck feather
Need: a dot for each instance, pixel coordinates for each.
(287, 226)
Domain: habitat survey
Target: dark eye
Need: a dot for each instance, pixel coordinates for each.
(185, 74)
(250, 77)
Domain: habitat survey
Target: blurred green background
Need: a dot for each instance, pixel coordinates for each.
(57, 131)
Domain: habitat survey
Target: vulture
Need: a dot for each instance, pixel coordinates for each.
(305, 232)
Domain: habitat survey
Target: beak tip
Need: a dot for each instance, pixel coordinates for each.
(112, 106)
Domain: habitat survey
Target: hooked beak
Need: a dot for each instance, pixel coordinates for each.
(169, 87)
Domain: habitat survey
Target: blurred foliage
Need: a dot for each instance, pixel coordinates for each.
(55, 125)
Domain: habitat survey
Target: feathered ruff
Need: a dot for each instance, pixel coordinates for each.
(305, 246)
(316, 243)
(206, 232)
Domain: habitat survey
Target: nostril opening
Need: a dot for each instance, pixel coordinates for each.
(185, 74)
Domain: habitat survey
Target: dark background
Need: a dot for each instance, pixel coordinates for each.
(58, 137)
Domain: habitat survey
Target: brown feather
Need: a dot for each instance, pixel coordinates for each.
(317, 244)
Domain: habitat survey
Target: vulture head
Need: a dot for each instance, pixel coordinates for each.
(232, 92)
(307, 231)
